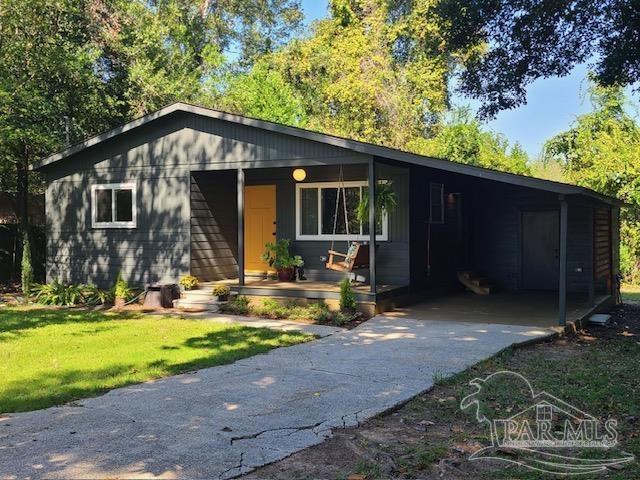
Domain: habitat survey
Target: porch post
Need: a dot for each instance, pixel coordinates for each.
(372, 224)
(240, 203)
(562, 287)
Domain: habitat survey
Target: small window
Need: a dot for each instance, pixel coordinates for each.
(113, 205)
(436, 203)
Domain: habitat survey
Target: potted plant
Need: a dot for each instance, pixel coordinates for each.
(222, 292)
(386, 202)
(189, 282)
(121, 292)
(277, 256)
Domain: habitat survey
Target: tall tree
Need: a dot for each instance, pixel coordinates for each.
(601, 151)
(48, 85)
(530, 39)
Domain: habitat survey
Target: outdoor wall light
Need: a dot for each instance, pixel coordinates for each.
(299, 174)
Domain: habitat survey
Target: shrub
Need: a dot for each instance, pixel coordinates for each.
(121, 288)
(27, 268)
(96, 296)
(221, 290)
(59, 294)
(347, 297)
(238, 306)
(189, 282)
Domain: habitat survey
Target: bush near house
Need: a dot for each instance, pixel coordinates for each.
(61, 295)
(318, 312)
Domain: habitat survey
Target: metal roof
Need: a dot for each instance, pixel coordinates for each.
(354, 145)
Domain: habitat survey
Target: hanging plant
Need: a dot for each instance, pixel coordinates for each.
(386, 202)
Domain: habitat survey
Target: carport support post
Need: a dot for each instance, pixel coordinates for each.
(372, 224)
(240, 202)
(562, 284)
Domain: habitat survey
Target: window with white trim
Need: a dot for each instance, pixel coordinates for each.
(113, 205)
(316, 218)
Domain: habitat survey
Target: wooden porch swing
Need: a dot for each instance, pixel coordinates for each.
(357, 254)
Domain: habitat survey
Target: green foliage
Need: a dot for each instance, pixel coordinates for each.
(237, 306)
(277, 255)
(461, 138)
(121, 288)
(526, 40)
(27, 268)
(189, 282)
(347, 297)
(264, 93)
(601, 151)
(386, 202)
(59, 294)
(221, 290)
(98, 351)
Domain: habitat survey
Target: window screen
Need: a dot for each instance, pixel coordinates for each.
(436, 203)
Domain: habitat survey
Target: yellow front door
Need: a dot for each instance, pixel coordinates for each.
(259, 225)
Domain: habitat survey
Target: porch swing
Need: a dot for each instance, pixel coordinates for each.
(357, 254)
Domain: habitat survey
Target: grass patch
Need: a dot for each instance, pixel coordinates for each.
(53, 356)
(630, 293)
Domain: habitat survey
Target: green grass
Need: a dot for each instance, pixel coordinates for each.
(53, 356)
(630, 293)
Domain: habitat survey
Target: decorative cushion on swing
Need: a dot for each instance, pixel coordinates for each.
(357, 256)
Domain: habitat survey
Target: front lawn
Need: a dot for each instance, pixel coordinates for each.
(630, 293)
(53, 356)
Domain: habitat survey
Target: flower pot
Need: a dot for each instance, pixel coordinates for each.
(287, 274)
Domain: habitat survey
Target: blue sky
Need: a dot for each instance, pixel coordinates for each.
(552, 103)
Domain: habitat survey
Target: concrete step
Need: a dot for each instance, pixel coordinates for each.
(196, 294)
(209, 306)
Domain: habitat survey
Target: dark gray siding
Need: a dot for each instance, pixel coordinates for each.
(214, 226)
(393, 255)
(159, 157)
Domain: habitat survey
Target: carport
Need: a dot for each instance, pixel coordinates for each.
(530, 308)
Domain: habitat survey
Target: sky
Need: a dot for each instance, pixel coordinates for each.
(552, 103)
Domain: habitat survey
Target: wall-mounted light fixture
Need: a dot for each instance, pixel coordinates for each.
(299, 174)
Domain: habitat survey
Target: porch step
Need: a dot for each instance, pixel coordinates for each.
(199, 305)
(476, 283)
(197, 299)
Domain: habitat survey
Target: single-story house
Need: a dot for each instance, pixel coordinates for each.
(190, 190)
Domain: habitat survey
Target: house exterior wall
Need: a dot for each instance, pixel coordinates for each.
(159, 158)
(392, 255)
(491, 231)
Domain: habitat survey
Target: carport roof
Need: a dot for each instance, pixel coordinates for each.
(354, 145)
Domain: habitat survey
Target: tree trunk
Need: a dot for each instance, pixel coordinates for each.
(22, 206)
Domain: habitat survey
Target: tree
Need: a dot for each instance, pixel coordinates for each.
(530, 39)
(601, 151)
(461, 138)
(48, 85)
(364, 71)
(27, 268)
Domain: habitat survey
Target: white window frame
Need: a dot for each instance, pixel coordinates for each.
(339, 236)
(113, 224)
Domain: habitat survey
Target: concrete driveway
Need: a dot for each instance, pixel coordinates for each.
(224, 421)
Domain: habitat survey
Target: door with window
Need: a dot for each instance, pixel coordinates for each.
(540, 250)
(259, 225)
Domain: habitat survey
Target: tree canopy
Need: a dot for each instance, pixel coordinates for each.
(601, 151)
(530, 39)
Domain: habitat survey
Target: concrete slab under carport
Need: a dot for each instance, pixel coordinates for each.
(530, 308)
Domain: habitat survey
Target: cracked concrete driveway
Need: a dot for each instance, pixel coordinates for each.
(225, 421)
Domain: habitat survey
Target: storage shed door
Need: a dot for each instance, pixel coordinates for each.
(540, 249)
